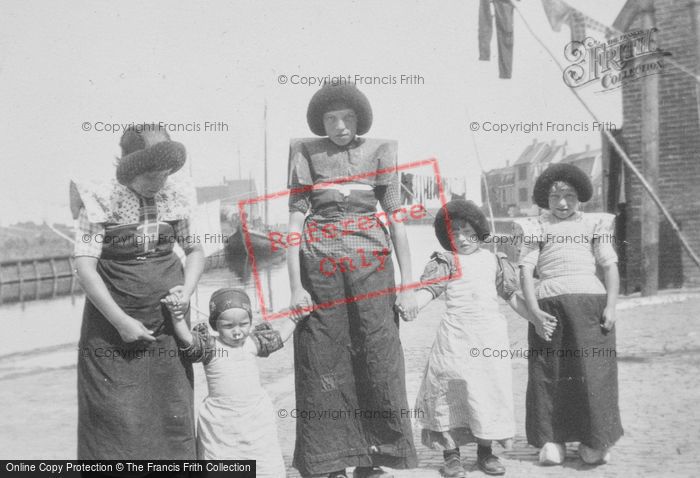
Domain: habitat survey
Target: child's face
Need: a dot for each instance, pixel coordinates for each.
(233, 326)
(340, 125)
(563, 200)
(465, 238)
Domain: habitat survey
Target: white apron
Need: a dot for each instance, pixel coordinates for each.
(464, 385)
(237, 421)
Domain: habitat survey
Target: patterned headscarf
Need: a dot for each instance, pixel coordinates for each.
(227, 298)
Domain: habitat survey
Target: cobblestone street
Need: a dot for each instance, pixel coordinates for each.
(659, 373)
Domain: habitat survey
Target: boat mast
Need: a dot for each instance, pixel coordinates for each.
(239, 162)
(265, 162)
(267, 222)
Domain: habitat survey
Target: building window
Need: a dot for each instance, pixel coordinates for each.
(523, 194)
(522, 172)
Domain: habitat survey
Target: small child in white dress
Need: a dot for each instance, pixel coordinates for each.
(236, 420)
(466, 393)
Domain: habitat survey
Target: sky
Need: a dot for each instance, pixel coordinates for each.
(70, 69)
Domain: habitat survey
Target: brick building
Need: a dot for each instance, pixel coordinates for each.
(679, 146)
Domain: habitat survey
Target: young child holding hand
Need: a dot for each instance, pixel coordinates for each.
(466, 393)
(236, 420)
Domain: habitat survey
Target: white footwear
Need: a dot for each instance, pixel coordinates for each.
(591, 456)
(552, 454)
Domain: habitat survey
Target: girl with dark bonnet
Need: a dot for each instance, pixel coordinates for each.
(348, 356)
(135, 395)
(572, 392)
(236, 420)
(468, 397)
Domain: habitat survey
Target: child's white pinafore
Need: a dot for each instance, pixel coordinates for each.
(467, 382)
(237, 421)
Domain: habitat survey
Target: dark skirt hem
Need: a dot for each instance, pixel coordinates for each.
(572, 391)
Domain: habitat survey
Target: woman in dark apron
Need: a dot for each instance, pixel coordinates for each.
(135, 392)
(348, 358)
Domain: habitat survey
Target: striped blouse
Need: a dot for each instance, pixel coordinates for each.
(565, 252)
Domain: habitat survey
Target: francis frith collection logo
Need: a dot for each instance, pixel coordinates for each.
(625, 58)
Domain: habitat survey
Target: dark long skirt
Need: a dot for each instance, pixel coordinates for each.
(135, 401)
(349, 371)
(572, 390)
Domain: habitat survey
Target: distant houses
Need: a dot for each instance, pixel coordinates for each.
(510, 188)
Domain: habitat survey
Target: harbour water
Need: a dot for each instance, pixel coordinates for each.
(44, 333)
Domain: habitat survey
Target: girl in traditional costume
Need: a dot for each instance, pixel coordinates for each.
(135, 399)
(572, 392)
(466, 393)
(236, 420)
(348, 355)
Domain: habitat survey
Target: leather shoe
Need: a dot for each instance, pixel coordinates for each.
(453, 468)
(370, 472)
(491, 465)
(338, 474)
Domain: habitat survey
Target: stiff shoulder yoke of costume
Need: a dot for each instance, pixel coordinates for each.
(105, 200)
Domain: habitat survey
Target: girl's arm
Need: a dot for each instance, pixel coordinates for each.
(130, 329)
(194, 266)
(528, 285)
(606, 257)
(406, 300)
(286, 326)
(300, 297)
(518, 304)
(195, 344)
(437, 268)
(612, 284)
(182, 330)
(540, 319)
(423, 298)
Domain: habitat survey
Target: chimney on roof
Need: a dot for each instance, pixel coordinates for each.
(224, 179)
(507, 163)
(534, 141)
(588, 147)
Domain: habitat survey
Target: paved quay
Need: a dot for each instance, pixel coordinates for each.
(659, 378)
(659, 374)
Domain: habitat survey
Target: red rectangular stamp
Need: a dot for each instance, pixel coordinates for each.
(361, 257)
